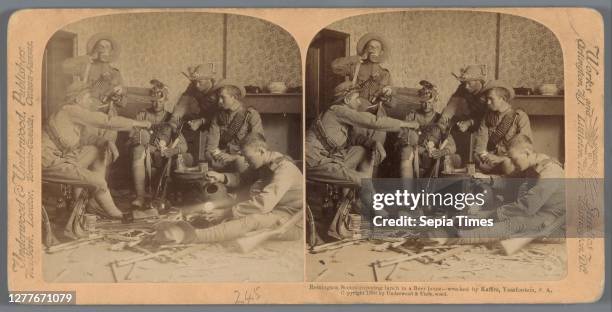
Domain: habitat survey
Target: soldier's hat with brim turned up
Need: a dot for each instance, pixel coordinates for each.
(75, 89)
(91, 44)
(168, 232)
(200, 72)
(363, 41)
(498, 84)
(226, 83)
(472, 72)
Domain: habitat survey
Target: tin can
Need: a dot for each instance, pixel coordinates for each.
(90, 222)
(203, 167)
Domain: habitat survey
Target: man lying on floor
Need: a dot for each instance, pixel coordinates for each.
(275, 195)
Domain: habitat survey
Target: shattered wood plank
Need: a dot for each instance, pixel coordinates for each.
(332, 246)
(392, 261)
(321, 274)
(131, 260)
(452, 252)
(73, 244)
(388, 278)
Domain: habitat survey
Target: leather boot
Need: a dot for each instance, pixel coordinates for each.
(104, 199)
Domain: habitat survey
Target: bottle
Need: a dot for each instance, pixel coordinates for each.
(180, 163)
(448, 165)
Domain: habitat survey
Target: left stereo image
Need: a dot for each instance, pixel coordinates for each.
(172, 150)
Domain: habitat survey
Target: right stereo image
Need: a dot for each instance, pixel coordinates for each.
(435, 149)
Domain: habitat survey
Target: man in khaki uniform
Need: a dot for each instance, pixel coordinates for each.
(104, 80)
(466, 104)
(149, 150)
(499, 125)
(276, 194)
(540, 200)
(426, 141)
(365, 69)
(232, 123)
(73, 156)
(335, 153)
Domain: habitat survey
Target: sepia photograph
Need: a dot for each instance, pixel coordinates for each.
(171, 150)
(316, 156)
(460, 102)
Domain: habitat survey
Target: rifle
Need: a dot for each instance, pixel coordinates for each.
(160, 192)
(248, 243)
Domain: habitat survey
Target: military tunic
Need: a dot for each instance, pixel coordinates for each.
(491, 122)
(276, 193)
(225, 132)
(371, 78)
(333, 155)
(143, 141)
(464, 105)
(102, 79)
(542, 194)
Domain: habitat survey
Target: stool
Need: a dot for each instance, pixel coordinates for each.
(326, 223)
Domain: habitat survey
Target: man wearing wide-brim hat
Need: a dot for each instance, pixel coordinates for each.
(76, 157)
(465, 107)
(232, 123)
(334, 152)
(500, 124)
(104, 80)
(203, 82)
(364, 69)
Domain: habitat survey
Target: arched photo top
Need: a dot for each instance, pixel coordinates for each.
(162, 45)
(433, 44)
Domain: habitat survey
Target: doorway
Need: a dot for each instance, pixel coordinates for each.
(320, 80)
(61, 46)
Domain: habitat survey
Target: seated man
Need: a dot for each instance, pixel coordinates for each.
(71, 156)
(230, 125)
(540, 200)
(276, 194)
(334, 152)
(430, 141)
(499, 125)
(150, 149)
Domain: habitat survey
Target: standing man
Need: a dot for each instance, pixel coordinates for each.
(201, 94)
(466, 104)
(77, 157)
(232, 123)
(104, 80)
(499, 125)
(365, 69)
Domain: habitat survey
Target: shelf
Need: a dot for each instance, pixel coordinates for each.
(275, 103)
(540, 105)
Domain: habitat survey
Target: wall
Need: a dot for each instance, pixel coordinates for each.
(431, 45)
(530, 54)
(161, 45)
(158, 45)
(259, 52)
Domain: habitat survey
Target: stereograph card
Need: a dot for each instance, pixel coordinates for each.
(305, 156)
